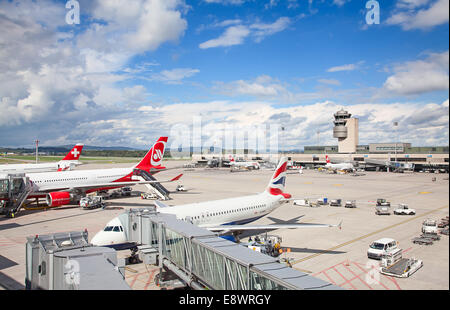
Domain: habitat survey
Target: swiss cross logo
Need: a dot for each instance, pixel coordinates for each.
(158, 153)
(75, 152)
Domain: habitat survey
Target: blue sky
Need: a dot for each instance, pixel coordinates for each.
(134, 70)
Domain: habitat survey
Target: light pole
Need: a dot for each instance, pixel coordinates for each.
(37, 148)
(396, 138)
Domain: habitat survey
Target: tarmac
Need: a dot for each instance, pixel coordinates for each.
(335, 255)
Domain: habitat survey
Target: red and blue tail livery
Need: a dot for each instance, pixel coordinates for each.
(278, 181)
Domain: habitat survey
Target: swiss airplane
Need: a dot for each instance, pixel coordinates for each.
(225, 217)
(62, 188)
(67, 163)
(340, 166)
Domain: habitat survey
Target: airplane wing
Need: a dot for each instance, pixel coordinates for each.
(231, 228)
(86, 187)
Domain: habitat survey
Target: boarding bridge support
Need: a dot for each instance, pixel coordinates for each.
(156, 188)
(205, 261)
(66, 261)
(14, 191)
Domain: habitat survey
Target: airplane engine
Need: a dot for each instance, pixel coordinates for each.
(56, 199)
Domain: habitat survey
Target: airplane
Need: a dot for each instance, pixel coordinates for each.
(63, 188)
(347, 166)
(67, 163)
(243, 164)
(225, 217)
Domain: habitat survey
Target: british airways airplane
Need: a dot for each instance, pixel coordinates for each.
(70, 160)
(225, 217)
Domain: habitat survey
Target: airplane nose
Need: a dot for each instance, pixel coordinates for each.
(96, 239)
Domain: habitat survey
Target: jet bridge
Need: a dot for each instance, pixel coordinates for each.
(14, 190)
(202, 260)
(66, 261)
(156, 188)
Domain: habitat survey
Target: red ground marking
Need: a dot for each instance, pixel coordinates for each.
(346, 280)
(331, 280)
(357, 276)
(387, 277)
(150, 278)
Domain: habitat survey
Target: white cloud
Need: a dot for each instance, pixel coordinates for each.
(409, 17)
(174, 75)
(262, 86)
(329, 82)
(420, 76)
(226, 2)
(347, 67)
(261, 30)
(236, 35)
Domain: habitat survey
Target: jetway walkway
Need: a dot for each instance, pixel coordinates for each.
(156, 188)
(14, 190)
(203, 260)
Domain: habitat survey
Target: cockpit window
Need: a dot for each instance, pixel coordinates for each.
(108, 228)
(116, 228)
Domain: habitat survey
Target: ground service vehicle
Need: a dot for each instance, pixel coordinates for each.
(404, 210)
(382, 247)
(430, 226)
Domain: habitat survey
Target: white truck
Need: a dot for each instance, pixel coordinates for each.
(181, 188)
(350, 204)
(403, 209)
(429, 226)
(382, 247)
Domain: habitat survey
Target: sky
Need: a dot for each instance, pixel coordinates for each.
(128, 72)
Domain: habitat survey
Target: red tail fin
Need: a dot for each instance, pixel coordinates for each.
(154, 156)
(74, 153)
(327, 159)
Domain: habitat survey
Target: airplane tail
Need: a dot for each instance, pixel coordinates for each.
(278, 180)
(153, 158)
(75, 152)
(327, 159)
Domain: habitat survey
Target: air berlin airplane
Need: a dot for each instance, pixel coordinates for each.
(62, 188)
(70, 160)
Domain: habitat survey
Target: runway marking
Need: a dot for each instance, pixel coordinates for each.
(424, 192)
(337, 184)
(366, 235)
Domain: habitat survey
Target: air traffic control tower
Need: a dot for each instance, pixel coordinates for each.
(346, 131)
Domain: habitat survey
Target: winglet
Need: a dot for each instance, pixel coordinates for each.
(176, 178)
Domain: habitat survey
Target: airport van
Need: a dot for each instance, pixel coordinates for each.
(382, 247)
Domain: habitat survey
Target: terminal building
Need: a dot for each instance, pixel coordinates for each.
(348, 149)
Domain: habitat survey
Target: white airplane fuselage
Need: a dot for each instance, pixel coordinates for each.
(341, 166)
(231, 211)
(31, 168)
(48, 181)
